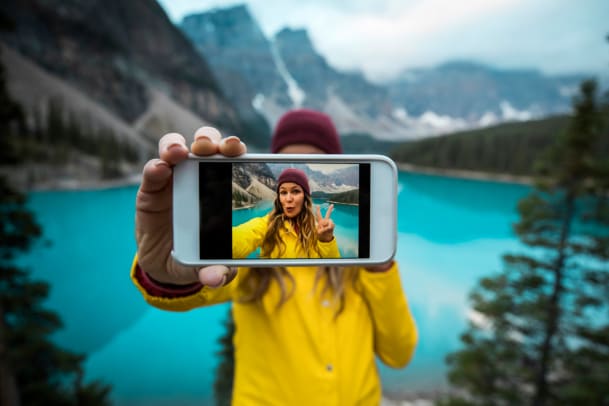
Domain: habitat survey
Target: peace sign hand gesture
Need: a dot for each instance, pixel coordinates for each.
(325, 225)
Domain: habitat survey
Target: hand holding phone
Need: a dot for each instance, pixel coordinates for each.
(153, 220)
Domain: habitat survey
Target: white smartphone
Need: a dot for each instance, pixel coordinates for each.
(215, 197)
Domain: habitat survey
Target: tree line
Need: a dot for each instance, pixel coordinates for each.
(57, 137)
(511, 148)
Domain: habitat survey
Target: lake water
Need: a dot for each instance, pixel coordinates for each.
(451, 232)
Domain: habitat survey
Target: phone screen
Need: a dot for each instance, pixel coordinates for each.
(231, 194)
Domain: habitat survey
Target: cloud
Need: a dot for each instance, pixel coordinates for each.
(382, 37)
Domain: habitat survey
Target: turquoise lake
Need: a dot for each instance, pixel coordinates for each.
(450, 233)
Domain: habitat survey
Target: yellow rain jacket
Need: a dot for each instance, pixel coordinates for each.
(300, 353)
(249, 235)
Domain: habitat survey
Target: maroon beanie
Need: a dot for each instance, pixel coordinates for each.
(294, 175)
(309, 127)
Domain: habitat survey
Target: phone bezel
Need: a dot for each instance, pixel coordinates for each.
(383, 210)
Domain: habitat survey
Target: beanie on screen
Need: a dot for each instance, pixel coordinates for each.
(294, 175)
(304, 126)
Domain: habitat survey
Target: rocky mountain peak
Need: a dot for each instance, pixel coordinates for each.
(298, 39)
(230, 28)
(240, 56)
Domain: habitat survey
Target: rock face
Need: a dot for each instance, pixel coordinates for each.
(322, 83)
(272, 76)
(239, 54)
(116, 52)
(252, 182)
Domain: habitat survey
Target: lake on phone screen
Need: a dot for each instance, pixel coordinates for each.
(451, 232)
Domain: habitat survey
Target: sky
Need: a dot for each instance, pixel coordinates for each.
(381, 38)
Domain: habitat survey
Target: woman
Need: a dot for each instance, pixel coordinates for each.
(290, 230)
(304, 335)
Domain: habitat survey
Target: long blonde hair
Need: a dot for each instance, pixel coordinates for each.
(304, 224)
(257, 281)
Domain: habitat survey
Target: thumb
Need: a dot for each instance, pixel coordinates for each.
(214, 276)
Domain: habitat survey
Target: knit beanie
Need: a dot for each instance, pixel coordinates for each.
(294, 175)
(303, 126)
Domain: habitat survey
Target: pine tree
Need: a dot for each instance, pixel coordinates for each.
(12, 120)
(541, 337)
(223, 383)
(33, 369)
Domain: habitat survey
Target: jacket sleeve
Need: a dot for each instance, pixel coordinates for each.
(248, 236)
(329, 249)
(395, 331)
(178, 297)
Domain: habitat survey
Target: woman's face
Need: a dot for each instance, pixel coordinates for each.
(291, 197)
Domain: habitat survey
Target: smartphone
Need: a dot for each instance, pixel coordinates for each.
(216, 198)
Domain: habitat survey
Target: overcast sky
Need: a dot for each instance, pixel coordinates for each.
(383, 37)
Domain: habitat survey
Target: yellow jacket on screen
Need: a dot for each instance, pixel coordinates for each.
(249, 235)
(301, 353)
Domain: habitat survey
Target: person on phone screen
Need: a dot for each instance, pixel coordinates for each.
(291, 229)
(304, 335)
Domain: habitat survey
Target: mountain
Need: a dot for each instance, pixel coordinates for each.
(114, 65)
(339, 180)
(464, 94)
(239, 54)
(252, 182)
(271, 75)
(274, 75)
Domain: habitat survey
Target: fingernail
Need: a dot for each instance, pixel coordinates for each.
(232, 141)
(201, 137)
(209, 132)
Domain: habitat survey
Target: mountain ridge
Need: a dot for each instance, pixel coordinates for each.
(455, 95)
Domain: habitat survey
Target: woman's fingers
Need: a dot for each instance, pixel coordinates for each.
(206, 141)
(318, 215)
(172, 148)
(155, 176)
(325, 230)
(326, 225)
(209, 141)
(232, 146)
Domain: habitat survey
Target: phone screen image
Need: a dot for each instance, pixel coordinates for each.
(231, 194)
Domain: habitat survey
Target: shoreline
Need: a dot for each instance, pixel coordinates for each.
(134, 179)
(60, 185)
(466, 174)
(248, 206)
(342, 203)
